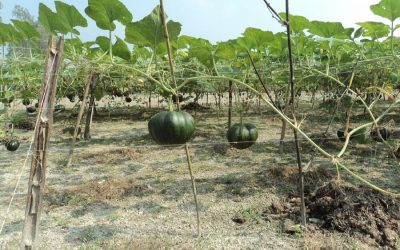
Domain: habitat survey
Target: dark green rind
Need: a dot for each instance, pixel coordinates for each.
(31, 109)
(244, 137)
(59, 108)
(385, 133)
(12, 145)
(171, 127)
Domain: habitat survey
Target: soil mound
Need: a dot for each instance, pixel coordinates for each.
(194, 106)
(357, 211)
(366, 213)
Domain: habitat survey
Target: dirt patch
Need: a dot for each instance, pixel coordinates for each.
(194, 106)
(289, 176)
(116, 155)
(364, 213)
(353, 211)
(95, 192)
(26, 124)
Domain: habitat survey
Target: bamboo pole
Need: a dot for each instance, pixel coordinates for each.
(230, 105)
(44, 125)
(88, 82)
(89, 116)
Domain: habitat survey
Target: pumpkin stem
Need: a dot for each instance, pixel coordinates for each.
(170, 106)
(12, 130)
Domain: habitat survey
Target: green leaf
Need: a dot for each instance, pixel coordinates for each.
(103, 42)
(26, 29)
(297, 23)
(279, 45)
(105, 12)
(184, 42)
(226, 50)
(148, 32)
(358, 33)
(52, 22)
(349, 32)
(161, 49)
(389, 9)
(328, 29)
(203, 51)
(71, 16)
(255, 38)
(8, 34)
(121, 50)
(397, 27)
(76, 45)
(375, 30)
(140, 53)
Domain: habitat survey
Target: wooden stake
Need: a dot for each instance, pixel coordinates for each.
(230, 105)
(89, 116)
(44, 125)
(196, 202)
(296, 142)
(88, 82)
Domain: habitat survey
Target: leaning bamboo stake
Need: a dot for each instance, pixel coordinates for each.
(89, 115)
(230, 105)
(44, 125)
(194, 189)
(88, 82)
(165, 28)
(295, 133)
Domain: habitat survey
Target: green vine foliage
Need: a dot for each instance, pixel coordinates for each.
(325, 55)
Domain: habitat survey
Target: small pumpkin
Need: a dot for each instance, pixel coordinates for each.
(31, 109)
(171, 127)
(71, 97)
(12, 145)
(128, 99)
(242, 136)
(383, 131)
(59, 108)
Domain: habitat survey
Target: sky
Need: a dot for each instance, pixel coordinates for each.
(219, 20)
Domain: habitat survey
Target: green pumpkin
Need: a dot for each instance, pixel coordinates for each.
(59, 108)
(242, 137)
(12, 145)
(171, 127)
(31, 109)
(385, 133)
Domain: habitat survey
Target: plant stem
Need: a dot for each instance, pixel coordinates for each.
(392, 38)
(110, 37)
(189, 162)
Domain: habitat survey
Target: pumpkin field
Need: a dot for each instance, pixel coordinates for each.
(159, 140)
